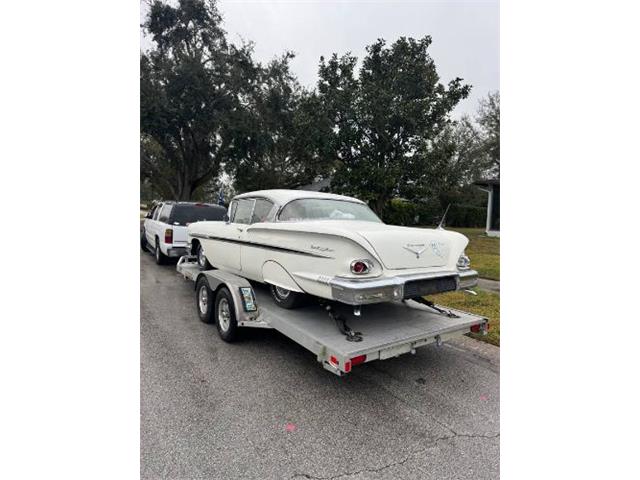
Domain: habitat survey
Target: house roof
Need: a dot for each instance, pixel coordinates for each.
(487, 182)
(281, 197)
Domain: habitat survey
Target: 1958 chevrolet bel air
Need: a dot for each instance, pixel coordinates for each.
(329, 246)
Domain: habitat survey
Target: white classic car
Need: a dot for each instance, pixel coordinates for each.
(329, 246)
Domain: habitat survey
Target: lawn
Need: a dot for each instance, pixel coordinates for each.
(483, 251)
(485, 303)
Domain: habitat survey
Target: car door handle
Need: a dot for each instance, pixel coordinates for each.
(240, 229)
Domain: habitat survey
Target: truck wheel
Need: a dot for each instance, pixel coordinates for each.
(287, 298)
(161, 258)
(204, 300)
(143, 241)
(202, 259)
(226, 316)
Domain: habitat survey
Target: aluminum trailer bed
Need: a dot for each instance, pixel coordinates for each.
(388, 329)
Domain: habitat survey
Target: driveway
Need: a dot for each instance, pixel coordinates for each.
(264, 408)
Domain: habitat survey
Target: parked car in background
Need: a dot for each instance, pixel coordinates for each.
(165, 227)
(329, 246)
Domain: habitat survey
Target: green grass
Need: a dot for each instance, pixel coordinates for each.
(485, 303)
(483, 251)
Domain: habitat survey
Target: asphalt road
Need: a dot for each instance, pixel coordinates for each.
(264, 408)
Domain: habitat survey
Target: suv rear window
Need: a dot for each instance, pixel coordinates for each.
(184, 214)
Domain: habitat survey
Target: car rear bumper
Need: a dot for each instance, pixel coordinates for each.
(360, 292)
(177, 251)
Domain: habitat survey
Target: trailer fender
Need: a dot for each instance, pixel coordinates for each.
(275, 274)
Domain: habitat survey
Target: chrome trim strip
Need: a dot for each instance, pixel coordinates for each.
(258, 245)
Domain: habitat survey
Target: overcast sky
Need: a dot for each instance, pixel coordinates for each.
(466, 34)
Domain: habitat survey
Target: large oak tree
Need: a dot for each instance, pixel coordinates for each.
(191, 86)
(390, 120)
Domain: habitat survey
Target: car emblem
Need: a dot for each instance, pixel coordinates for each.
(416, 248)
(435, 247)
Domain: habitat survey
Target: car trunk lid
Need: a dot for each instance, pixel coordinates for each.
(403, 247)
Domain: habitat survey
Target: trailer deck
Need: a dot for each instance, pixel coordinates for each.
(388, 329)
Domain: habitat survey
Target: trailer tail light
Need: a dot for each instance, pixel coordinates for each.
(358, 360)
(334, 360)
(168, 235)
(479, 328)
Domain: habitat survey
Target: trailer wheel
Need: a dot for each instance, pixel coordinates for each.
(202, 259)
(161, 258)
(225, 315)
(287, 298)
(204, 300)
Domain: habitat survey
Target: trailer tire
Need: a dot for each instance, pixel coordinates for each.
(287, 298)
(204, 300)
(225, 315)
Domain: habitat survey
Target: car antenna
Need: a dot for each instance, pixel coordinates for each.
(441, 224)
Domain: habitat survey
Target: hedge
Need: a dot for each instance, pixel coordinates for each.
(427, 214)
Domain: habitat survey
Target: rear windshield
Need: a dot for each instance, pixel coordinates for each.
(185, 214)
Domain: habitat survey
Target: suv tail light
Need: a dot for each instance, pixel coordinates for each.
(168, 235)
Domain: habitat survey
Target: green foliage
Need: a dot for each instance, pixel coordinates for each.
(381, 133)
(391, 123)
(190, 87)
(488, 119)
(485, 303)
(484, 252)
(278, 141)
(478, 140)
(429, 213)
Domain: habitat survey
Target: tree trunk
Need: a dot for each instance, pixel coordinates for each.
(378, 205)
(185, 188)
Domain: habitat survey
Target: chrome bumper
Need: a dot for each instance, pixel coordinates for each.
(361, 292)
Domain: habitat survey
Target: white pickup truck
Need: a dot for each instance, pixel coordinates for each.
(164, 232)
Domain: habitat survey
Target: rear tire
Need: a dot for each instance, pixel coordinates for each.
(287, 298)
(204, 300)
(225, 315)
(143, 241)
(161, 258)
(202, 259)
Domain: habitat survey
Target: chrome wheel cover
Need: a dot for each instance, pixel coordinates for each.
(224, 314)
(203, 299)
(282, 293)
(202, 260)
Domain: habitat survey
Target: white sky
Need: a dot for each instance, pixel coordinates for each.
(466, 34)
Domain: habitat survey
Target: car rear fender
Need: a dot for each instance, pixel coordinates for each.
(275, 274)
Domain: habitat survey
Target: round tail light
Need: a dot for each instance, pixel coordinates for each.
(360, 267)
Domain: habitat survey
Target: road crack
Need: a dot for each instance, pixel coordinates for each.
(431, 445)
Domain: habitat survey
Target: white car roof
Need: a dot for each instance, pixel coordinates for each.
(280, 197)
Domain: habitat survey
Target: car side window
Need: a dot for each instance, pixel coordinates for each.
(232, 210)
(243, 211)
(262, 211)
(156, 211)
(164, 213)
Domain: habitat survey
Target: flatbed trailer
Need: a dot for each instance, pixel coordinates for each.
(385, 330)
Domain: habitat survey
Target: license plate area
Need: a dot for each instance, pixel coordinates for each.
(430, 286)
(395, 351)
